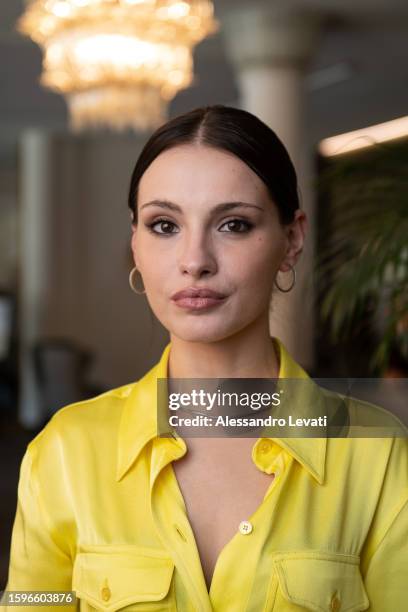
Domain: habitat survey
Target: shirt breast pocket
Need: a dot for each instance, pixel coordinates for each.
(133, 578)
(323, 582)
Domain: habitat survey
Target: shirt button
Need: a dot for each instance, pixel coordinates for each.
(106, 593)
(335, 604)
(181, 534)
(265, 446)
(245, 527)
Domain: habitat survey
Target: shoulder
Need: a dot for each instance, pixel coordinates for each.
(377, 454)
(384, 437)
(378, 435)
(367, 414)
(367, 443)
(87, 421)
(363, 417)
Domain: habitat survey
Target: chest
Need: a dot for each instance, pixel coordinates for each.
(220, 490)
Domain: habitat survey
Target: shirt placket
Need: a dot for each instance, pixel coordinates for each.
(242, 574)
(241, 577)
(171, 521)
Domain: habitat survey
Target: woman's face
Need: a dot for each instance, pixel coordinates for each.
(187, 237)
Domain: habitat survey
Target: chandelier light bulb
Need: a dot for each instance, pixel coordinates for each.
(117, 62)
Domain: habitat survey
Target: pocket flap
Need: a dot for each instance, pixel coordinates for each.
(114, 577)
(320, 582)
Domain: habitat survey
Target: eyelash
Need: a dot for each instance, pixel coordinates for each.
(163, 220)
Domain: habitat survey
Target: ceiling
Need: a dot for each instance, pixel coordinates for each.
(358, 76)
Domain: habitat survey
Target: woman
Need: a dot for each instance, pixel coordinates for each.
(129, 519)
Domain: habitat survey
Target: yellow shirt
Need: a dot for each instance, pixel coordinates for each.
(100, 512)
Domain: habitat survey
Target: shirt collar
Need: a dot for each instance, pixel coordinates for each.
(138, 424)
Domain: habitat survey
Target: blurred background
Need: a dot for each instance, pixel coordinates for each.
(84, 82)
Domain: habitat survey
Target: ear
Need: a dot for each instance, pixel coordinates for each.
(295, 234)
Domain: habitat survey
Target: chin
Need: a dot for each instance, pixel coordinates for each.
(203, 332)
(198, 336)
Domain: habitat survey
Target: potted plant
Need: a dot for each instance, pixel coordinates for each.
(362, 266)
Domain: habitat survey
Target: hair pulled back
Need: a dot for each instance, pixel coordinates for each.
(236, 131)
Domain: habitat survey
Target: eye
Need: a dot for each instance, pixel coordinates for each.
(162, 223)
(166, 226)
(235, 222)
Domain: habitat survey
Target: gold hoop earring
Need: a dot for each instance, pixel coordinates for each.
(293, 282)
(132, 283)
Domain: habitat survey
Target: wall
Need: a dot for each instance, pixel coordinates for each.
(88, 297)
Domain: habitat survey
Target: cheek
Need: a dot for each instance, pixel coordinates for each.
(259, 262)
(152, 256)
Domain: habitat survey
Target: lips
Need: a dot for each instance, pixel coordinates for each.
(195, 292)
(195, 299)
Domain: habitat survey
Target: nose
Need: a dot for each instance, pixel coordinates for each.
(196, 257)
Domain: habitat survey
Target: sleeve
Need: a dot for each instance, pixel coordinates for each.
(386, 578)
(40, 560)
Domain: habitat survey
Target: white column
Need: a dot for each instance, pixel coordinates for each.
(270, 49)
(35, 205)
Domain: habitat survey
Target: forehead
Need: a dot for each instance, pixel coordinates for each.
(210, 175)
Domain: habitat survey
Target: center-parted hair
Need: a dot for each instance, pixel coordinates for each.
(227, 129)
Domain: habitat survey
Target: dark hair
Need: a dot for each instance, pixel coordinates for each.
(234, 130)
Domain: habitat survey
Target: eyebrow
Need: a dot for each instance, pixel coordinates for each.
(218, 208)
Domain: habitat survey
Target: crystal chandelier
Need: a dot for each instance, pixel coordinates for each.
(117, 62)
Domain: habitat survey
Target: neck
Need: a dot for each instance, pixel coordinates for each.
(253, 357)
